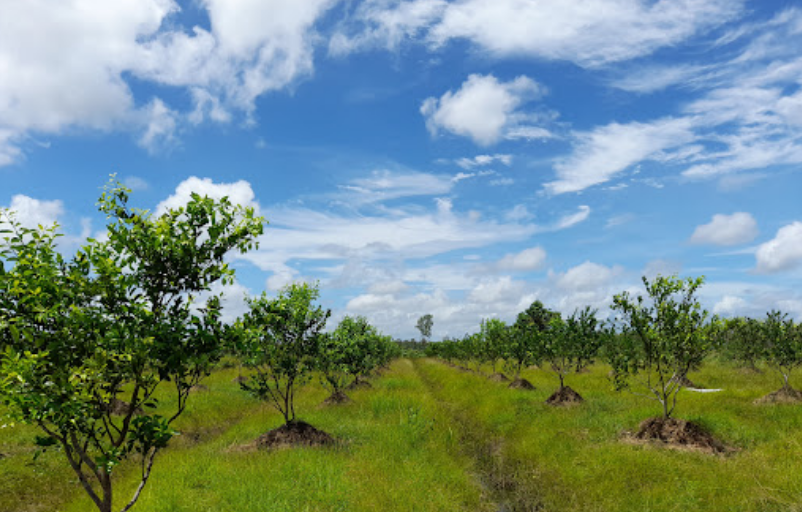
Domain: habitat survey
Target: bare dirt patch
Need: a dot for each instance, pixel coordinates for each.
(240, 379)
(678, 433)
(565, 396)
(784, 395)
(522, 384)
(337, 398)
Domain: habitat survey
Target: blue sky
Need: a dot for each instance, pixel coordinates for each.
(459, 158)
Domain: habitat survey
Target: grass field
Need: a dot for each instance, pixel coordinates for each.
(431, 437)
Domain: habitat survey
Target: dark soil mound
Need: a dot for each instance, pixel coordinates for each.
(679, 433)
(359, 384)
(565, 396)
(121, 407)
(294, 433)
(499, 377)
(522, 384)
(337, 398)
(784, 395)
(241, 379)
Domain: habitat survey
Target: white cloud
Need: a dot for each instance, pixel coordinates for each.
(307, 234)
(483, 109)
(387, 27)
(32, 212)
(524, 261)
(502, 182)
(494, 291)
(239, 192)
(388, 287)
(384, 185)
(484, 160)
(135, 183)
(587, 32)
(254, 46)
(161, 126)
(76, 77)
(730, 305)
(738, 228)
(573, 219)
(518, 212)
(605, 152)
(783, 252)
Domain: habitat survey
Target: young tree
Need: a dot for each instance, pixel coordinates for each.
(494, 335)
(280, 342)
(528, 337)
(570, 346)
(424, 325)
(117, 319)
(739, 339)
(661, 338)
(781, 341)
(352, 351)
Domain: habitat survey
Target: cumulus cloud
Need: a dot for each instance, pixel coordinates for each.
(738, 228)
(524, 261)
(239, 192)
(77, 76)
(483, 108)
(783, 252)
(730, 305)
(32, 212)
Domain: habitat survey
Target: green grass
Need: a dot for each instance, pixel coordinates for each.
(395, 454)
(575, 458)
(428, 437)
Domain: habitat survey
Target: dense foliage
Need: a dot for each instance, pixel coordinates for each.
(115, 321)
(280, 342)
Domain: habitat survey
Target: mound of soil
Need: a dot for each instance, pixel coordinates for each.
(499, 377)
(240, 379)
(198, 388)
(678, 432)
(121, 407)
(359, 384)
(522, 384)
(337, 398)
(294, 433)
(784, 395)
(565, 396)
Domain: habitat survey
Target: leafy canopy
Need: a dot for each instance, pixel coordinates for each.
(115, 321)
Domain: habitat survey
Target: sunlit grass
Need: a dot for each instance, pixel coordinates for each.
(413, 443)
(393, 454)
(578, 460)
